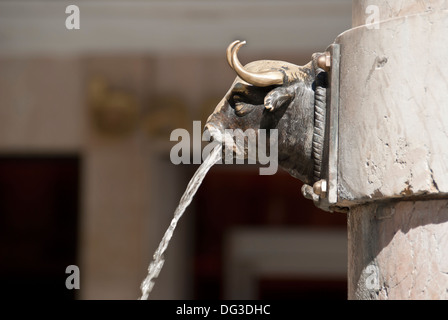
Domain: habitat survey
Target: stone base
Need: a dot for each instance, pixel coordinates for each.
(398, 250)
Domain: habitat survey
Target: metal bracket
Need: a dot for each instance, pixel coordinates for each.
(326, 188)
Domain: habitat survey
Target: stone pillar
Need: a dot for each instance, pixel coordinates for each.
(398, 250)
(393, 149)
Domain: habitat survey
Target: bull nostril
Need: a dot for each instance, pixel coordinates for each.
(207, 133)
(212, 133)
(208, 136)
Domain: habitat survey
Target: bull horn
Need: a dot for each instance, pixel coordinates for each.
(229, 52)
(259, 79)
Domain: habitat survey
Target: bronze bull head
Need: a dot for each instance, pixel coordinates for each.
(270, 94)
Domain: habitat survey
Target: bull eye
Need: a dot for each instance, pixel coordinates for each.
(245, 99)
(237, 98)
(242, 109)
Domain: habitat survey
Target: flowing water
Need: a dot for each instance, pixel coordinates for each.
(158, 258)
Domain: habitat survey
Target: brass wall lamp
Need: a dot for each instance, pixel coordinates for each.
(115, 112)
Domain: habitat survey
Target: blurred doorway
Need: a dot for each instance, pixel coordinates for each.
(39, 207)
(261, 230)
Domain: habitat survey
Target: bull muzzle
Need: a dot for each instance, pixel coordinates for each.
(214, 131)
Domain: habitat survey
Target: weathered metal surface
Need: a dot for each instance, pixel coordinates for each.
(328, 199)
(272, 95)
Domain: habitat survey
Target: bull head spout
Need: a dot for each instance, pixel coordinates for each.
(270, 94)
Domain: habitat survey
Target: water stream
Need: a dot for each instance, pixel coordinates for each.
(158, 258)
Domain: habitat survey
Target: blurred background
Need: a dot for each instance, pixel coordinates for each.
(85, 173)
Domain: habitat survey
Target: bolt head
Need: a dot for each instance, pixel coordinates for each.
(320, 188)
(324, 61)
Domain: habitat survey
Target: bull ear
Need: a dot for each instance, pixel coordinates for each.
(278, 97)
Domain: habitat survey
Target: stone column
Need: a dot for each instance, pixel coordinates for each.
(392, 170)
